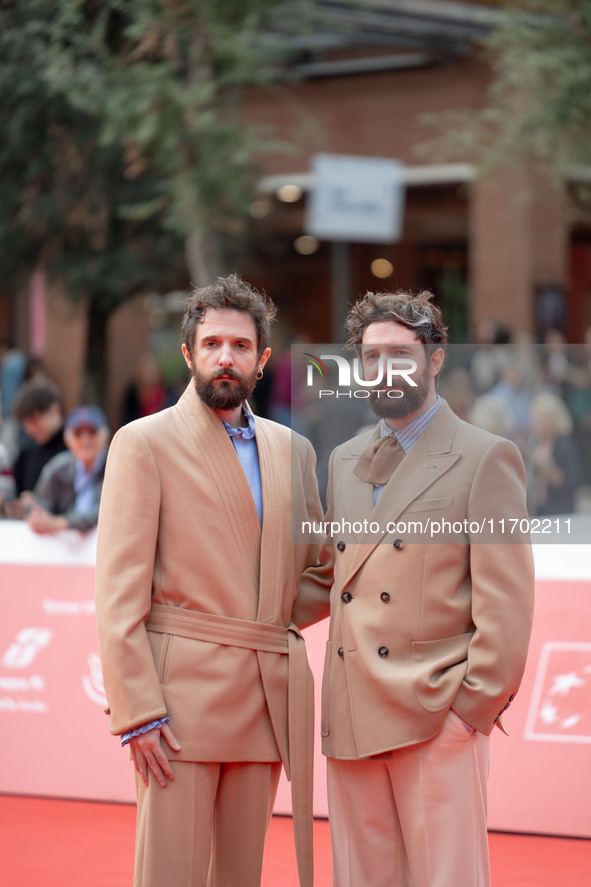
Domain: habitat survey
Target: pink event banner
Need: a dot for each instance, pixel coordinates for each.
(540, 779)
(56, 739)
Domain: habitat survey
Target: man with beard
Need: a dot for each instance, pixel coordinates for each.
(428, 633)
(205, 671)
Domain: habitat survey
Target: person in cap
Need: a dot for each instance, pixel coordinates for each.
(68, 492)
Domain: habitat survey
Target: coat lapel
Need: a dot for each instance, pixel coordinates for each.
(227, 474)
(275, 466)
(428, 460)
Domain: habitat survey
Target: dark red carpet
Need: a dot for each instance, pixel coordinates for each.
(45, 843)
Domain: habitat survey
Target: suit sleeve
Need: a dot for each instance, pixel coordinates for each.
(126, 551)
(312, 603)
(502, 575)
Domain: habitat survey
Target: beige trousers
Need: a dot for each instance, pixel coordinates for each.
(416, 818)
(207, 827)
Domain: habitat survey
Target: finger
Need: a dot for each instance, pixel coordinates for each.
(142, 768)
(139, 761)
(170, 738)
(157, 770)
(163, 763)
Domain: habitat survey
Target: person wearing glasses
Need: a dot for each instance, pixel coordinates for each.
(68, 492)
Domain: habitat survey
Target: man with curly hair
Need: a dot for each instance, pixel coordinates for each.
(428, 633)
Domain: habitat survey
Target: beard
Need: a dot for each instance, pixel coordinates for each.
(399, 407)
(224, 395)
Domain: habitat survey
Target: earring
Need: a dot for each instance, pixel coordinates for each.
(259, 375)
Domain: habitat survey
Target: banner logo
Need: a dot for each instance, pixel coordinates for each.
(28, 643)
(93, 683)
(559, 707)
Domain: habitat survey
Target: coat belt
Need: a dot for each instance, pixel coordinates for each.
(266, 638)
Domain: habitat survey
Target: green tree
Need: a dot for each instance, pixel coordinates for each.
(541, 95)
(61, 190)
(124, 158)
(164, 78)
(539, 101)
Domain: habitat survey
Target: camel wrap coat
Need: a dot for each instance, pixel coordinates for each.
(423, 621)
(194, 600)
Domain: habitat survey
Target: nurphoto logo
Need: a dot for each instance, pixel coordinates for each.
(389, 371)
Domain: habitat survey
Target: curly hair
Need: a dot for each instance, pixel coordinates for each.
(416, 312)
(229, 292)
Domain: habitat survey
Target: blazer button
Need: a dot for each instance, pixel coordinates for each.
(346, 597)
(383, 652)
(341, 546)
(341, 652)
(385, 597)
(398, 544)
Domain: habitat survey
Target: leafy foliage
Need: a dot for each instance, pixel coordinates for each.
(59, 187)
(123, 156)
(539, 101)
(542, 90)
(164, 79)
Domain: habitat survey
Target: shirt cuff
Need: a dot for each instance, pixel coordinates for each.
(145, 728)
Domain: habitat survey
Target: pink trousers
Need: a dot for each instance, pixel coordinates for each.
(416, 818)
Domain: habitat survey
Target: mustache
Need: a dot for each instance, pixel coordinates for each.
(406, 389)
(229, 374)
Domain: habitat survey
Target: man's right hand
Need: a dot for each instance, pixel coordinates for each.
(147, 752)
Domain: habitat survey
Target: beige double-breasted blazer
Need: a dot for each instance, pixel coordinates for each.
(423, 621)
(187, 580)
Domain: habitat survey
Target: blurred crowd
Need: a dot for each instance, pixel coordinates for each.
(539, 395)
(51, 463)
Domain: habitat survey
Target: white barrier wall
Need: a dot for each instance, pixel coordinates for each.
(55, 735)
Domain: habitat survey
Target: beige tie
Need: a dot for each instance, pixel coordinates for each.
(377, 463)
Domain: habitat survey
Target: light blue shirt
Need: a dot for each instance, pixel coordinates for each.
(245, 444)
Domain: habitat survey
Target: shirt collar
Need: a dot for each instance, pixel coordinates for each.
(409, 434)
(248, 432)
